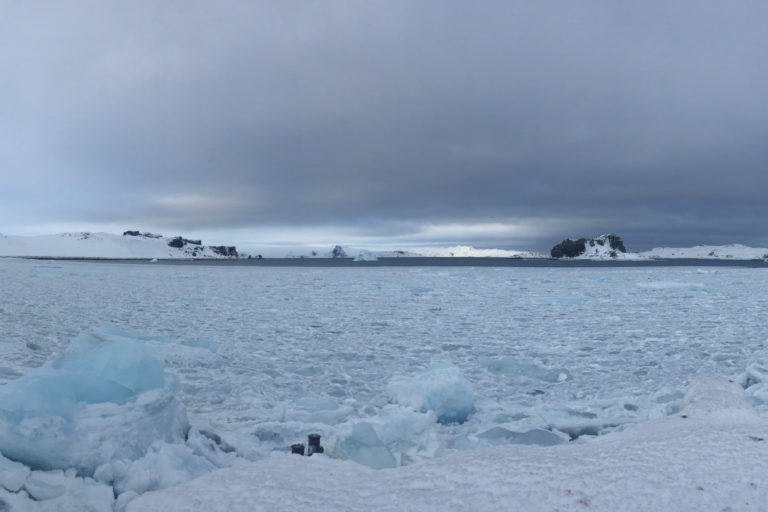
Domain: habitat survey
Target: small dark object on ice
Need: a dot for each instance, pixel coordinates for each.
(755, 438)
(314, 444)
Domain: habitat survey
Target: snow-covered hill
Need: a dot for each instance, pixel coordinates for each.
(734, 251)
(458, 251)
(611, 247)
(132, 244)
(465, 251)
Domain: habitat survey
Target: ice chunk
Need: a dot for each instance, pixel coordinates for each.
(365, 256)
(12, 474)
(755, 374)
(441, 389)
(528, 369)
(394, 437)
(364, 447)
(168, 350)
(46, 485)
(212, 447)
(55, 491)
(163, 465)
(103, 398)
(536, 436)
(708, 395)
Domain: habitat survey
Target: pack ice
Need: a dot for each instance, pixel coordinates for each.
(105, 398)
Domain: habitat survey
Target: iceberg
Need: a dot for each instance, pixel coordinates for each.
(365, 256)
(441, 389)
(104, 398)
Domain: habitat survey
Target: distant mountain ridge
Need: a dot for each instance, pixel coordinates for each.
(140, 245)
(611, 246)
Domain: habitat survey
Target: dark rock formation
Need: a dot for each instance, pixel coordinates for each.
(614, 241)
(570, 248)
(338, 252)
(191, 248)
(139, 233)
(223, 250)
(180, 242)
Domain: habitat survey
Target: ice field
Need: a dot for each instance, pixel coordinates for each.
(393, 366)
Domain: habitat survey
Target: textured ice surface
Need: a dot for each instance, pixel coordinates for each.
(265, 356)
(688, 462)
(393, 437)
(441, 389)
(105, 397)
(22, 490)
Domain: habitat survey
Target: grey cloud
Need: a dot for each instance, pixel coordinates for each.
(644, 118)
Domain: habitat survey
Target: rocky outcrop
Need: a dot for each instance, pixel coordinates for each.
(180, 242)
(143, 235)
(191, 248)
(230, 251)
(338, 252)
(600, 246)
(569, 248)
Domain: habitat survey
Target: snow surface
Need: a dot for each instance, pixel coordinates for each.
(99, 245)
(734, 251)
(468, 251)
(265, 356)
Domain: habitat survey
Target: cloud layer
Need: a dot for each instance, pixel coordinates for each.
(383, 120)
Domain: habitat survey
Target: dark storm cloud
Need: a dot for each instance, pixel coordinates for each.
(645, 118)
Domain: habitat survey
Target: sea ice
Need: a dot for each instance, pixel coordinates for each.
(441, 389)
(392, 438)
(518, 368)
(163, 465)
(536, 436)
(22, 490)
(12, 474)
(689, 462)
(104, 398)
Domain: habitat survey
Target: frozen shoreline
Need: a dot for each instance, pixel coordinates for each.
(424, 261)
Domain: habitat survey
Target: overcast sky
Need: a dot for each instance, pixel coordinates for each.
(508, 124)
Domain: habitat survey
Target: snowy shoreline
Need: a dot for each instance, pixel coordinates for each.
(422, 261)
(136, 246)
